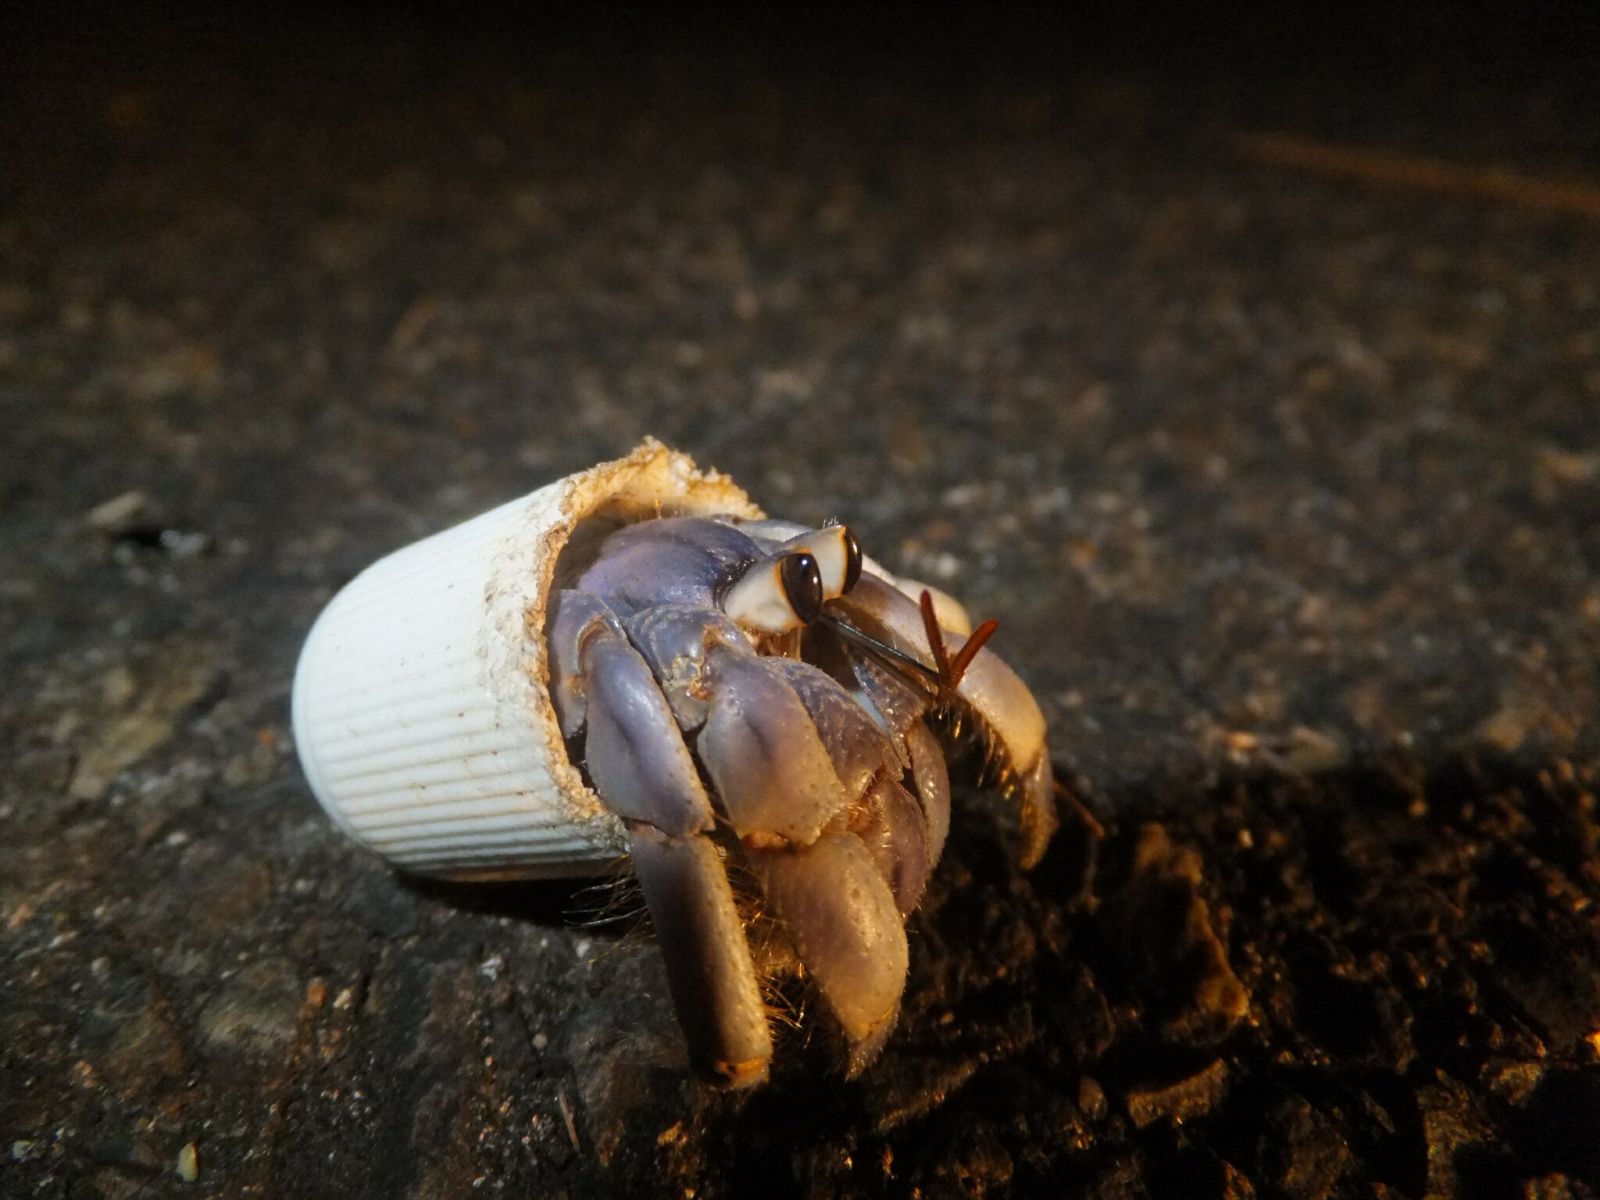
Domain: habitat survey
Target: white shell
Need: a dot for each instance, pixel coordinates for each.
(421, 709)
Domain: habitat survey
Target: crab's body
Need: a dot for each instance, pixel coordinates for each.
(706, 673)
(633, 661)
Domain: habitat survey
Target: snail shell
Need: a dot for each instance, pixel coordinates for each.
(421, 711)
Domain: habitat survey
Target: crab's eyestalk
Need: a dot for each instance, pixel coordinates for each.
(778, 594)
(838, 556)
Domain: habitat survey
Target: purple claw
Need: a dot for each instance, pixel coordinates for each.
(771, 771)
(845, 926)
(635, 753)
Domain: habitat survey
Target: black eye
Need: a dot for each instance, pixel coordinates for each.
(802, 585)
(852, 559)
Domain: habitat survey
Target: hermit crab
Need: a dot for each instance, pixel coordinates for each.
(636, 664)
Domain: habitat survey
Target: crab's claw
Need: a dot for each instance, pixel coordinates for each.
(643, 769)
(1009, 719)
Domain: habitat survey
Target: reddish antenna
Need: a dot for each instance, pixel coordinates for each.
(952, 669)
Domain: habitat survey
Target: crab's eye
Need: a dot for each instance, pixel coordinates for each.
(802, 585)
(837, 554)
(777, 594)
(852, 560)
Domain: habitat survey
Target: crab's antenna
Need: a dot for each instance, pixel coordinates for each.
(952, 669)
(892, 655)
(970, 648)
(930, 623)
(945, 676)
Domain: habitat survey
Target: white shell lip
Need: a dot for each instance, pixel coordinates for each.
(421, 710)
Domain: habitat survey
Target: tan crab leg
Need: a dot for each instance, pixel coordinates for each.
(881, 813)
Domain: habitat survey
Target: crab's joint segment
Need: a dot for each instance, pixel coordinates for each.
(703, 945)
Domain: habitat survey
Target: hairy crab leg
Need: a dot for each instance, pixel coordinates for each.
(642, 769)
(807, 781)
(883, 814)
(847, 931)
(762, 747)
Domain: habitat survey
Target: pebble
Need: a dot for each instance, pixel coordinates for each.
(150, 704)
(1181, 1101)
(256, 1009)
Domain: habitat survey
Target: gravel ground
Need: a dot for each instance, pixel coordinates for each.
(1250, 380)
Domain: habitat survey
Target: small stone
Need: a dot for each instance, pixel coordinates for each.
(1181, 1101)
(181, 672)
(1236, 1184)
(1521, 714)
(1303, 1152)
(1162, 919)
(1551, 1187)
(1091, 1098)
(117, 1184)
(1451, 1121)
(232, 893)
(975, 1160)
(1311, 751)
(250, 767)
(1513, 1082)
(256, 1009)
(188, 1164)
(117, 514)
(146, 1050)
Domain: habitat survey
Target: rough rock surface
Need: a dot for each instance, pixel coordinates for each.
(1285, 484)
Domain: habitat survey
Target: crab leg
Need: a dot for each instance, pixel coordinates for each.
(703, 944)
(883, 815)
(642, 769)
(779, 781)
(932, 778)
(846, 930)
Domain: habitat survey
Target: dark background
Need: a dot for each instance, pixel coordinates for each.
(1244, 363)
